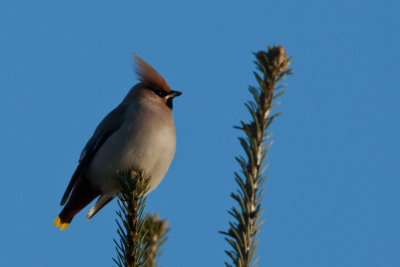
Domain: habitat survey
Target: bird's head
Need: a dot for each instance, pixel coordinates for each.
(152, 85)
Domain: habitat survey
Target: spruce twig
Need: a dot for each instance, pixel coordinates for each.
(157, 231)
(242, 233)
(132, 246)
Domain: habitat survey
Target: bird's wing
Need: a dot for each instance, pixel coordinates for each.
(101, 202)
(111, 123)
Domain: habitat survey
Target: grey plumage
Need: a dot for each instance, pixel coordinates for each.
(139, 134)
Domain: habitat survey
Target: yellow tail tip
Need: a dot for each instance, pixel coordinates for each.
(64, 226)
(57, 223)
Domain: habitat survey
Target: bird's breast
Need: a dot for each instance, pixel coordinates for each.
(146, 141)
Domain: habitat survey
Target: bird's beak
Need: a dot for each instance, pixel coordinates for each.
(174, 94)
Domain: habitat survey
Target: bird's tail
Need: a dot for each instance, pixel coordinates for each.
(83, 193)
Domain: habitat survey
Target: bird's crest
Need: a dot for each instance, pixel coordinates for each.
(148, 75)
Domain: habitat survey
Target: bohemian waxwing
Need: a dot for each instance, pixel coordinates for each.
(139, 134)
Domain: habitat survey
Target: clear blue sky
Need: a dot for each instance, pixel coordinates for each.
(332, 195)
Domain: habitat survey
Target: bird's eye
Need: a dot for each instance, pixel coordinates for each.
(158, 91)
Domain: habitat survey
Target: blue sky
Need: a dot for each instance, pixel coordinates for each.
(332, 194)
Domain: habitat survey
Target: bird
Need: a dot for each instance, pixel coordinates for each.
(139, 134)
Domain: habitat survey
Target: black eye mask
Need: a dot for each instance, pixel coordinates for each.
(158, 91)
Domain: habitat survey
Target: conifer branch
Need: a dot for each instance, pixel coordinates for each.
(157, 231)
(132, 246)
(242, 233)
(141, 235)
